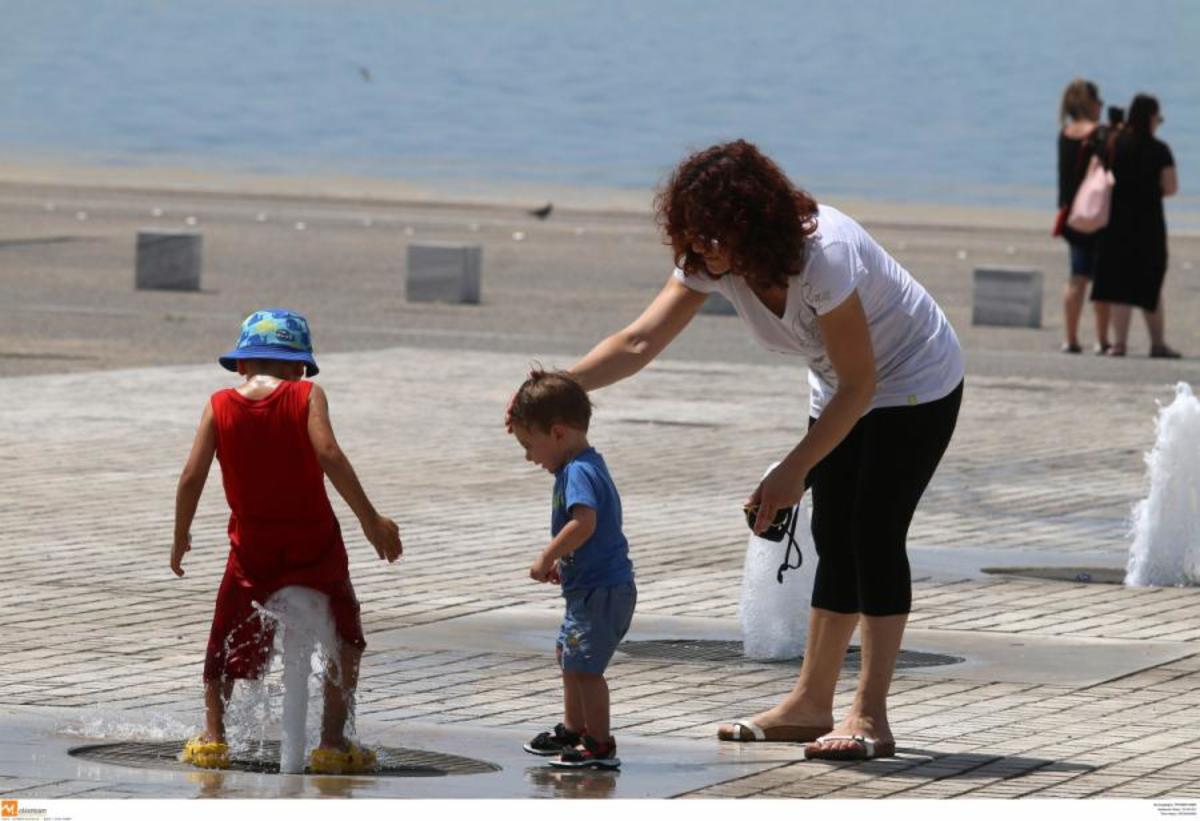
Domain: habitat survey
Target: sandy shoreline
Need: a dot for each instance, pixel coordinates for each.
(483, 195)
(335, 248)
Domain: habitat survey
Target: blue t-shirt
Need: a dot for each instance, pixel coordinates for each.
(603, 560)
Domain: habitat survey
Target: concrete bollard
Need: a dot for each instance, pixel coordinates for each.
(443, 272)
(1007, 296)
(168, 260)
(717, 304)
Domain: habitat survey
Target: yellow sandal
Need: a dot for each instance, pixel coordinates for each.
(351, 761)
(210, 755)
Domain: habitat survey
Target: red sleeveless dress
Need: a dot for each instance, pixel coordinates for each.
(282, 530)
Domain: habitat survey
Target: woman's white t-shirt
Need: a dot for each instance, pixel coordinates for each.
(917, 355)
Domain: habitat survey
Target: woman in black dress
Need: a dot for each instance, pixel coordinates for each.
(1132, 256)
(1080, 137)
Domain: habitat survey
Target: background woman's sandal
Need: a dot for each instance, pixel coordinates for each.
(746, 730)
(1164, 352)
(864, 748)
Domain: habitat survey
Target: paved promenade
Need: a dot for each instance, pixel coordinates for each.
(1064, 689)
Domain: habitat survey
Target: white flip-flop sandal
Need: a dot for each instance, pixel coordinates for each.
(866, 749)
(756, 732)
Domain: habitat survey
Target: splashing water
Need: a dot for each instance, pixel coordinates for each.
(1166, 524)
(304, 625)
(304, 657)
(774, 616)
(131, 725)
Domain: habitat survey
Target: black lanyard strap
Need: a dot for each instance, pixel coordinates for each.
(791, 545)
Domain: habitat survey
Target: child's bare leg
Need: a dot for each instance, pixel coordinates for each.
(340, 685)
(573, 717)
(593, 693)
(216, 696)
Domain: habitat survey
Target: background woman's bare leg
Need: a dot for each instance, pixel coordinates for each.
(1103, 311)
(1155, 326)
(1121, 315)
(1073, 298)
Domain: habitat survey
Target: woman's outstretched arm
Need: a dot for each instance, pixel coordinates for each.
(634, 347)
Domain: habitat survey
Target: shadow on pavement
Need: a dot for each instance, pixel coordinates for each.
(923, 764)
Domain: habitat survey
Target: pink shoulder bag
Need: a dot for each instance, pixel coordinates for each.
(1093, 201)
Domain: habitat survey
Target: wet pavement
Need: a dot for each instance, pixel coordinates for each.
(41, 758)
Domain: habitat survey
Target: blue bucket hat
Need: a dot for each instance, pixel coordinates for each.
(274, 333)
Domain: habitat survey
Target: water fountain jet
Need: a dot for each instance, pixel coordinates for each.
(774, 614)
(305, 635)
(1166, 524)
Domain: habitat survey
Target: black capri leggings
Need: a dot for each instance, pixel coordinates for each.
(864, 494)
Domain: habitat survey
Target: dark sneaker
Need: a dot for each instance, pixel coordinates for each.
(553, 743)
(591, 754)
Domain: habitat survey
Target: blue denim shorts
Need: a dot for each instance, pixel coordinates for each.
(1083, 258)
(596, 620)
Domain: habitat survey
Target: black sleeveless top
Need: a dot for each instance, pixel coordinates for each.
(1073, 158)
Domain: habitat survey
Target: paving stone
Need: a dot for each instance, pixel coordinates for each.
(122, 611)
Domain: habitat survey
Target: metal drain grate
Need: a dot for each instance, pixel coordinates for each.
(1078, 575)
(730, 652)
(393, 761)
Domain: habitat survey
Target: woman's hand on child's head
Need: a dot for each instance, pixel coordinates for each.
(544, 569)
(177, 551)
(384, 536)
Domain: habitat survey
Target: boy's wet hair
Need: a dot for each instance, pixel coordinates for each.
(551, 398)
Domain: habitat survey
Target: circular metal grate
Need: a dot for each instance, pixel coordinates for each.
(730, 652)
(164, 755)
(1078, 575)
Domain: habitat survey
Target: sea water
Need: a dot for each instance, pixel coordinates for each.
(1166, 524)
(774, 616)
(900, 101)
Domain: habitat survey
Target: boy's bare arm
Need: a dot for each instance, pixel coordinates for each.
(381, 532)
(572, 537)
(191, 486)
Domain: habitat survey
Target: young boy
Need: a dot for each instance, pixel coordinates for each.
(276, 446)
(588, 555)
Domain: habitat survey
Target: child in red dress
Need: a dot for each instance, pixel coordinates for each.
(273, 438)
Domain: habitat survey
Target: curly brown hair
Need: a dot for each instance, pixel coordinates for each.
(734, 194)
